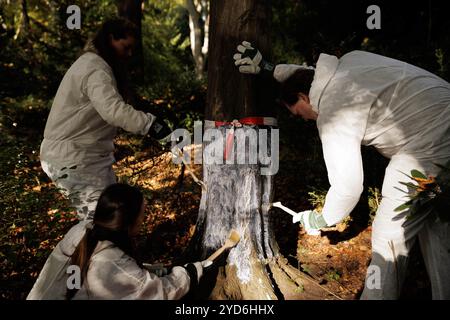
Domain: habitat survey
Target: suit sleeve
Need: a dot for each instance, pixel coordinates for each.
(342, 124)
(100, 87)
(125, 279)
(342, 156)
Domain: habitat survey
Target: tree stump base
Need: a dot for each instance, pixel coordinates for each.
(238, 196)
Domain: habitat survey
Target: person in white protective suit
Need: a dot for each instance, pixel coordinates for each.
(404, 112)
(103, 252)
(77, 149)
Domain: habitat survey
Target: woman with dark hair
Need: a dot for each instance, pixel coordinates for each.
(97, 259)
(77, 150)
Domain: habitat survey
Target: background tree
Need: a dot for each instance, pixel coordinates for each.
(25, 18)
(199, 32)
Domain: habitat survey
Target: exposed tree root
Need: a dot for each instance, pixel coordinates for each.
(308, 288)
(229, 287)
(282, 281)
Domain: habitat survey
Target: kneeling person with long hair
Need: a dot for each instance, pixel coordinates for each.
(104, 254)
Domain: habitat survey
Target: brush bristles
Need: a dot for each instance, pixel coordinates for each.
(234, 236)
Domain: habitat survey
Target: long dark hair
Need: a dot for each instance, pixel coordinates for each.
(118, 28)
(117, 211)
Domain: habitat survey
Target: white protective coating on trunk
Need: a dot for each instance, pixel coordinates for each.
(237, 197)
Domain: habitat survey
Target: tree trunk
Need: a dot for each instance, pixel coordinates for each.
(231, 94)
(238, 196)
(26, 18)
(199, 32)
(132, 10)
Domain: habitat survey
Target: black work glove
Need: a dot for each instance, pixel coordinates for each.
(159, 130)
(194, 276)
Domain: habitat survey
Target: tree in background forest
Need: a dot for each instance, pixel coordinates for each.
(199, 32)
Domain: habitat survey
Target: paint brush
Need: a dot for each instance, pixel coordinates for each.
(313, 232)
(286, 209)
(232, 240)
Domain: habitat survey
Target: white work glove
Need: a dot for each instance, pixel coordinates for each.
(311, 221)
(250, 60)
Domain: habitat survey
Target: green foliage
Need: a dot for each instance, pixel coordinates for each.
(374, 200)
(418, 174)
(300, 288)
(428, 194)
(333, 275)
(35, 59)
(306, 268)
(317, 200)
(179, 102)
(171, 89)
(166, 51)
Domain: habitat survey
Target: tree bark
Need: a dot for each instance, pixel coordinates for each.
(132, 10)
(231, 94)
(238, 196)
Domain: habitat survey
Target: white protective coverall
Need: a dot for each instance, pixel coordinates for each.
(112, 275)
(77, 150)
(404, 112)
